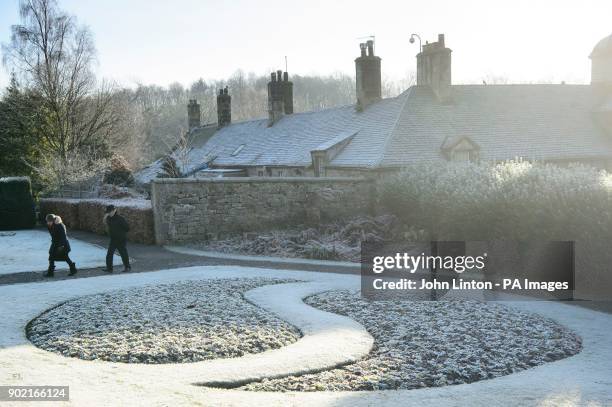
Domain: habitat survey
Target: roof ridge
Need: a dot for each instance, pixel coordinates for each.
(408, 92)
(309, 112)
(500, 85)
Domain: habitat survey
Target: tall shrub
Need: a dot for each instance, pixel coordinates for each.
(16, 204)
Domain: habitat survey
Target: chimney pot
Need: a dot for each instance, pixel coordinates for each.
(362, 46)
(370, 44)
(286, 76)
(441, 40)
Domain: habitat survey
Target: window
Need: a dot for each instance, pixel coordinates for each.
(260, 173)
(462, 155)
(460, 149)
(318, 166)
(280, 173)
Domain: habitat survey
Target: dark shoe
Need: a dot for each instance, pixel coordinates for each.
(107, 270)
(50, 272)
(127, 269)
(73, 269)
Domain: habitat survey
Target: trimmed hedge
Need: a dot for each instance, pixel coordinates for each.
(16, 204)
(513, 201)
(88, 214)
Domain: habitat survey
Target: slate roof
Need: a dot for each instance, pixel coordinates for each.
(546, 122)
(290, 140)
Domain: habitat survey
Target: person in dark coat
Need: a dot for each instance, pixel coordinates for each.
(60, 246)
(117, 230)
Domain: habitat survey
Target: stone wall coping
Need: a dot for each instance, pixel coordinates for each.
(257, 180)
(132, 203)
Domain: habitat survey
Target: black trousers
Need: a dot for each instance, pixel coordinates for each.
(58, 255)
(120, 246)
(53, 259)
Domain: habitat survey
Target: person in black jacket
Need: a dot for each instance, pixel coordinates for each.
(117, 230)
(60, 247)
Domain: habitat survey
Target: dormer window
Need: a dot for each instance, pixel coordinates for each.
(463, 155)
(460, 149)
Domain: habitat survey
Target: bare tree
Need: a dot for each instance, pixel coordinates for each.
(54, 55)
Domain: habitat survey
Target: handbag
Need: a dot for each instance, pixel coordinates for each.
(60, 252)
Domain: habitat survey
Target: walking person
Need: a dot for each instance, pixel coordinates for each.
(60, 247)
(117, 230)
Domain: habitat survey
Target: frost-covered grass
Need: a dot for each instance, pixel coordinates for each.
(428, 344)
(28, 251)
(172, 323)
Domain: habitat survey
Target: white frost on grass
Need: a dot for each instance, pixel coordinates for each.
(28, 250)
(577, 380)
(170, 323)
(430, 344)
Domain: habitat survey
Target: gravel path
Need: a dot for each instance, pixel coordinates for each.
(172, 323)
(428, 344)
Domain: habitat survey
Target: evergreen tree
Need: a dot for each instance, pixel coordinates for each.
(22, 118)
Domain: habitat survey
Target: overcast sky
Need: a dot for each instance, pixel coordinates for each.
(162, 41)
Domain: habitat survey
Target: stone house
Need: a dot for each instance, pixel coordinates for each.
(431, 121)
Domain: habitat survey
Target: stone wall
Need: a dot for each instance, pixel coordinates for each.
(88, 214)
(195, 209)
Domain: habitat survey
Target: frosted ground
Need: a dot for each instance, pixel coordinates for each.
(433, 343)
(168, 323)
(329, 340)
(28, 250)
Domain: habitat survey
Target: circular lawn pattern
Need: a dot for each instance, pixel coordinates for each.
(173, 323)
(426, 344)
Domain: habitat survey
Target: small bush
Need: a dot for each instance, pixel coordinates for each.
(119, 173)
(319, 251)
(170, 168)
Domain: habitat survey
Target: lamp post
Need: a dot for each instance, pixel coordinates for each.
(412, 36)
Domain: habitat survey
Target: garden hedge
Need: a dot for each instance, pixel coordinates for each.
(514, 201)
(16, 204)
(88, 215)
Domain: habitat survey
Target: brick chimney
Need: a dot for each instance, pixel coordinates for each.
(224, 107)
(193, 114)
(434, 69)
(367, 67)
(287, 94)
(280, 96)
